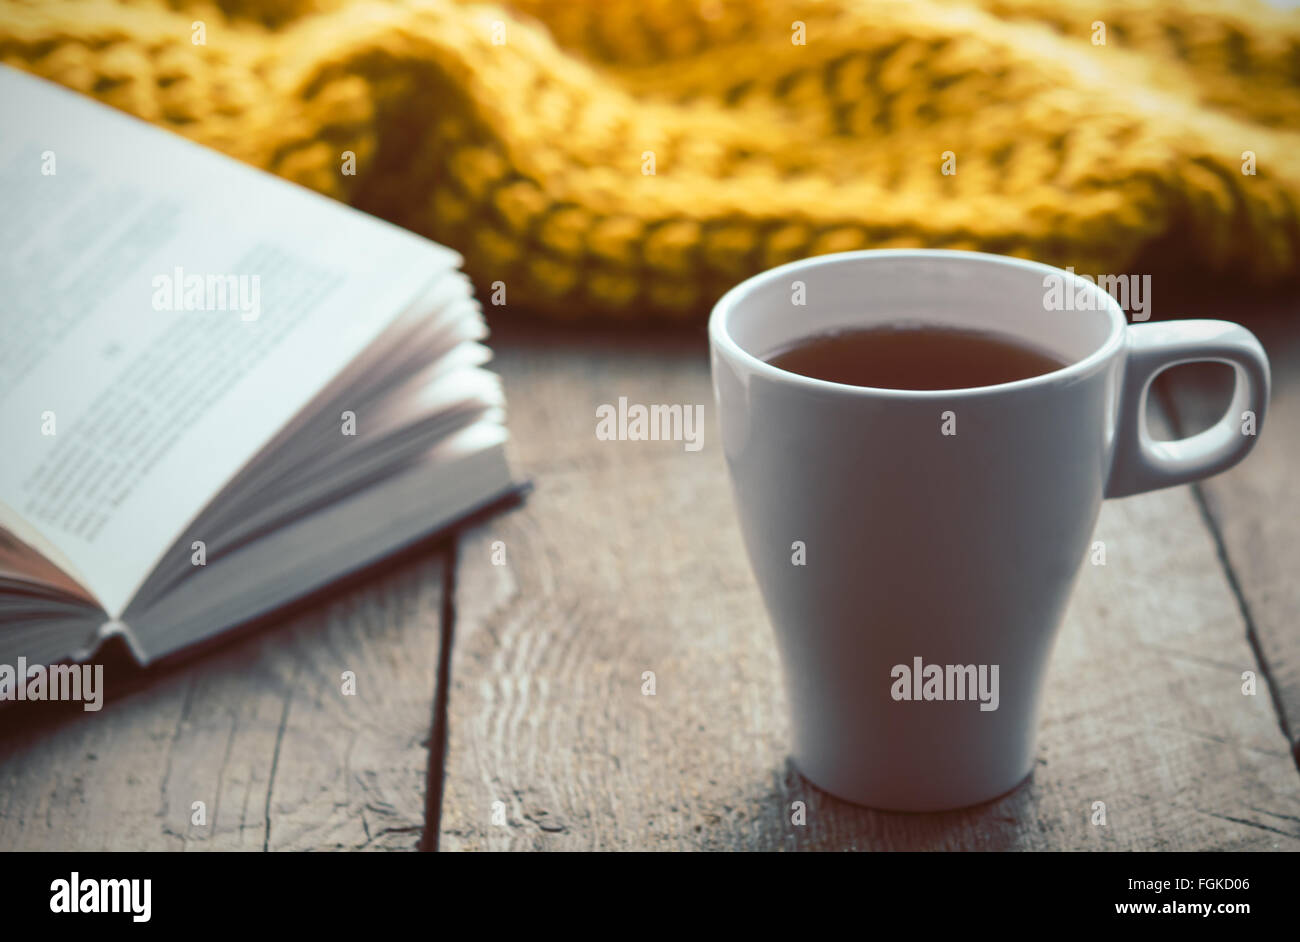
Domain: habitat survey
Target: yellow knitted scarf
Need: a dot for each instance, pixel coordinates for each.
(630, 158)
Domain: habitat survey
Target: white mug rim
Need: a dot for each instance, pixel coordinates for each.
(729, 303)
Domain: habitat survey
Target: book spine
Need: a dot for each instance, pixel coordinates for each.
(109, 629)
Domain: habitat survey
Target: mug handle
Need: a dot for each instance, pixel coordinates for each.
(1140, 462)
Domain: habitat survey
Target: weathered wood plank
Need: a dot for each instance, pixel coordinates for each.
(627, 559)
(1255, 506)
(259, 731)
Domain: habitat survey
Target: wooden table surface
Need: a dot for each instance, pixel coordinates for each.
(501, 707)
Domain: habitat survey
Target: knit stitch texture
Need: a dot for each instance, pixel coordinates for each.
(523, 136)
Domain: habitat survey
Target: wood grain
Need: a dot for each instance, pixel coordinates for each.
(258, 730)
(627, 559)
(1255, 507)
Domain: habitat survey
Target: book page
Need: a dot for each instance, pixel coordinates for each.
(166, 310)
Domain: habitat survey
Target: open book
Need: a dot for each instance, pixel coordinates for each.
(218, 391)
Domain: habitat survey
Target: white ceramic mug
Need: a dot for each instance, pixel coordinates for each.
(886, 526)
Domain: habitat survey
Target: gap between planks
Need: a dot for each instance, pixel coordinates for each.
(442, 684)
(1181, 429)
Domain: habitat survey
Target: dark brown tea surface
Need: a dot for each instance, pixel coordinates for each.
(914, 357)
